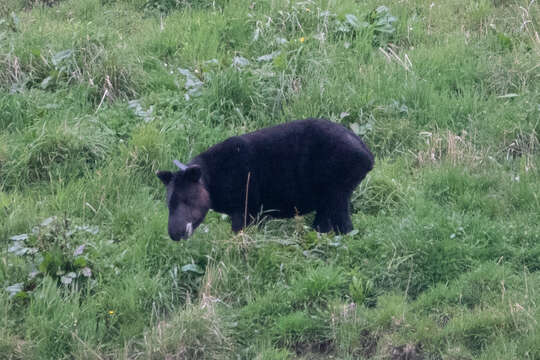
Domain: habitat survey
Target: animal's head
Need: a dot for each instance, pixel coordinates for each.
(187, 199)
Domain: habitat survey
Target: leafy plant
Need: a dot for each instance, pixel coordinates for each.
(361, 290)
(49, 251)
(379, 22)
(64, 66)
(166, 6)
(382, 21)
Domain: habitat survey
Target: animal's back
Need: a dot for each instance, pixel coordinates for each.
(294, 163)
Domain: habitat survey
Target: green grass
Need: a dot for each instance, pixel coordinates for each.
(445, 259)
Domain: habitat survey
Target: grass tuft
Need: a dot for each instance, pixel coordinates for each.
(196, 332)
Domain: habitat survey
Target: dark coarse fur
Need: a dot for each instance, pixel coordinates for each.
(293, 168)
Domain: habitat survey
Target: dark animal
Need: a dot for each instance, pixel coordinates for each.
(288, 169)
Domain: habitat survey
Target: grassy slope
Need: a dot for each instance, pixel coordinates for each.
(446, 259)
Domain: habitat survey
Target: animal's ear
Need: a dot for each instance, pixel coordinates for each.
(180, 165)
(193, 173)
(165, 177)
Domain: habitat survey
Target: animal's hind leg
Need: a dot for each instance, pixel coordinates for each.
(340, 216)
(334, 214)
(322, 221)
(342, 223)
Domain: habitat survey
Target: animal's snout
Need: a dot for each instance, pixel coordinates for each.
(176, 236)
(181, 233)
(178, 233)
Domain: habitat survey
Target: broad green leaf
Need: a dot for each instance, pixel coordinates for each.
(60, 56)
(192, 268)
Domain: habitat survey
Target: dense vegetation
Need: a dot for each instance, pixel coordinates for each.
(96, 95)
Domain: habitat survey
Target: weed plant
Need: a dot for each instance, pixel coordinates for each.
(96, 95)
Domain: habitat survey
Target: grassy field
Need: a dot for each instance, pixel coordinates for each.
(96, 95)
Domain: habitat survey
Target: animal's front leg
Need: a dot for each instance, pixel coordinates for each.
(237, 222)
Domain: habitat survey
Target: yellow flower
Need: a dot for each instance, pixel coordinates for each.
(111, 312)
(307, 9)
(302, 39)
